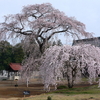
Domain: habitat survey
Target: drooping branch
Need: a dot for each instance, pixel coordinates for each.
(73, 60)
(37, 24)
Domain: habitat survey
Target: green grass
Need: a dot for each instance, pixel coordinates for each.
(80, 90)
(79, 93)
(65, 97)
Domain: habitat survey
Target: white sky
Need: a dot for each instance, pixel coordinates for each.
(86, 11)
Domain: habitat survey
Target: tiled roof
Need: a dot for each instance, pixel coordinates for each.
(15, 66)
(93, 41)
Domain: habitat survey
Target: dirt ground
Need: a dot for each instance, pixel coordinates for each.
(8, 90)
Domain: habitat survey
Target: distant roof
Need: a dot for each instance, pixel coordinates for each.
(93, 41)
(15, 66)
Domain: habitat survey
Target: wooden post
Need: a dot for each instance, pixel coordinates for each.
(99, 84)
(27, 82)
(99, 81)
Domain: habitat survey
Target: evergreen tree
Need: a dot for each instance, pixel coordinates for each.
(10, 54)
(18, 54)
(5, 54)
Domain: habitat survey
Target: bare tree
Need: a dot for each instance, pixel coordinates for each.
(40, 22)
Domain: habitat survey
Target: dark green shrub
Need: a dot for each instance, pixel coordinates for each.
(4, 79)
(62, 87)
(49, 98)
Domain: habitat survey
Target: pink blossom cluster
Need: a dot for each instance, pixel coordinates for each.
(72, 60)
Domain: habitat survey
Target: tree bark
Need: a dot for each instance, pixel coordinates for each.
(70, 84)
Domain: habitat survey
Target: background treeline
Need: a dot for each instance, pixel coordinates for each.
(14, 53)
(10, 54)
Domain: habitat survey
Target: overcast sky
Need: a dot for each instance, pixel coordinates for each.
(86, 11)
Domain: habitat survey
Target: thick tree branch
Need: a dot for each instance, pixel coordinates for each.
(57, 32)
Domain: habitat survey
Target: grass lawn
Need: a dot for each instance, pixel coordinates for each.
(66, 97)
(77, 93)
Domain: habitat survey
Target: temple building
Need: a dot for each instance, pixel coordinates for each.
(93, 41)
(14, 69)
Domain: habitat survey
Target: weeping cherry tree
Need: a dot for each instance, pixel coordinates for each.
(38, 24)
(71, 61)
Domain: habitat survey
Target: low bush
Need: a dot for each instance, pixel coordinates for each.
(62, 87)
(49, 98)
(4, 79)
